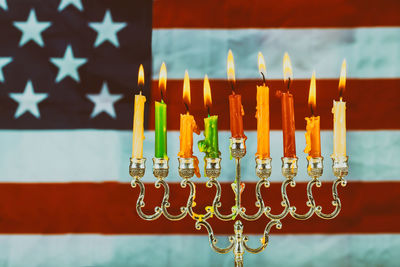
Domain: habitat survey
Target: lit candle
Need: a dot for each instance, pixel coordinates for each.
(210, 144)
(161, 117)
(313, 139)
(262, 113)
(187, 127)
(288, 126)
(339, 118)
(236, 111)
(138, 135)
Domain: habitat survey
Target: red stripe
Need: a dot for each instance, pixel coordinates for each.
(371, 103)
(109, 208)
(271, 14)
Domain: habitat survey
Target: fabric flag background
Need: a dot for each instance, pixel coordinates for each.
(68, 73)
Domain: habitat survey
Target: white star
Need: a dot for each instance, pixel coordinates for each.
(68, 65)
(107, 30)
(32, 29)
(104, 101)
(3, 61)
(65, 3)
(28, 101)
(3, 4)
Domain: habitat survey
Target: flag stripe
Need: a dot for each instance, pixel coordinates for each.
(57, 156)
(156, 250)
(262, 14)
(359, 95)
(109, 208)
(370, 52)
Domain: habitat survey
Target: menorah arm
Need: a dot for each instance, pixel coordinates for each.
(259, 202)
(217, 203)
(310, 203)
(140, 202)
(336, 201)
(213, 240)
(264, 239)
(285, 201)
(165, 202)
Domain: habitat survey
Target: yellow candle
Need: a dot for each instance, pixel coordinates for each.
(339, 128)
(138, 134)
(262, 114)
(339, 118)
(313, 138)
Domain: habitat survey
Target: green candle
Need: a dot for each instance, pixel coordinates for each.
(161, 117)
(161, 129)
(210, 144)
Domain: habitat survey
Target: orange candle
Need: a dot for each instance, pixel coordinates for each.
(313, 139)
(287, 103)
(262, 114)
(187, 127)
(236, 111)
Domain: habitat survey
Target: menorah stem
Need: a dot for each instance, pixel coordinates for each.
(238, 188)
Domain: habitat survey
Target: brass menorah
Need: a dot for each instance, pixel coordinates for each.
(238, 242)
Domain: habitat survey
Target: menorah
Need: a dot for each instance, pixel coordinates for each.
(238, 242)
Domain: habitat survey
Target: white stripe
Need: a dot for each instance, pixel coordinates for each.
(370, 52)
(286, 250)
(103, 155)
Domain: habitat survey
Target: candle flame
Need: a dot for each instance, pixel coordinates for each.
(207, 93)
(312, 95)
(287, 68)
(342, 81)
(141, 76)
(162, 78)
(230, 67)
(261, 64)
(186, 89)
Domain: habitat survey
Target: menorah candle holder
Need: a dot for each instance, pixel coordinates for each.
(212, 167)
(238, 242)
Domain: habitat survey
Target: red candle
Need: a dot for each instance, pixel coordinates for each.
(288, 126)
(236, 111)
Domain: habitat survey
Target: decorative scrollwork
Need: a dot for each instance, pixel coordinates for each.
(285, 201)
(213, 240)
(259, 203)
(140, 202)
(336, 201)
(310, 203)
(264, 239)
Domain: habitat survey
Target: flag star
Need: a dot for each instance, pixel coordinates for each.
(3, 4)
(28, 101)
(104, 101)
(3, 62)
(68, 65)
(32, 29)
(65, 3)
(107, 30)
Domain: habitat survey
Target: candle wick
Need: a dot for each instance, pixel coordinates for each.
(208, 110)
(341, 93)
(288, 84)
(263, 77)
(232, 86)
(187, 108)
(162, 95)
(312, 110)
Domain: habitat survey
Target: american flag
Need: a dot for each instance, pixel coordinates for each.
(68, 74)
